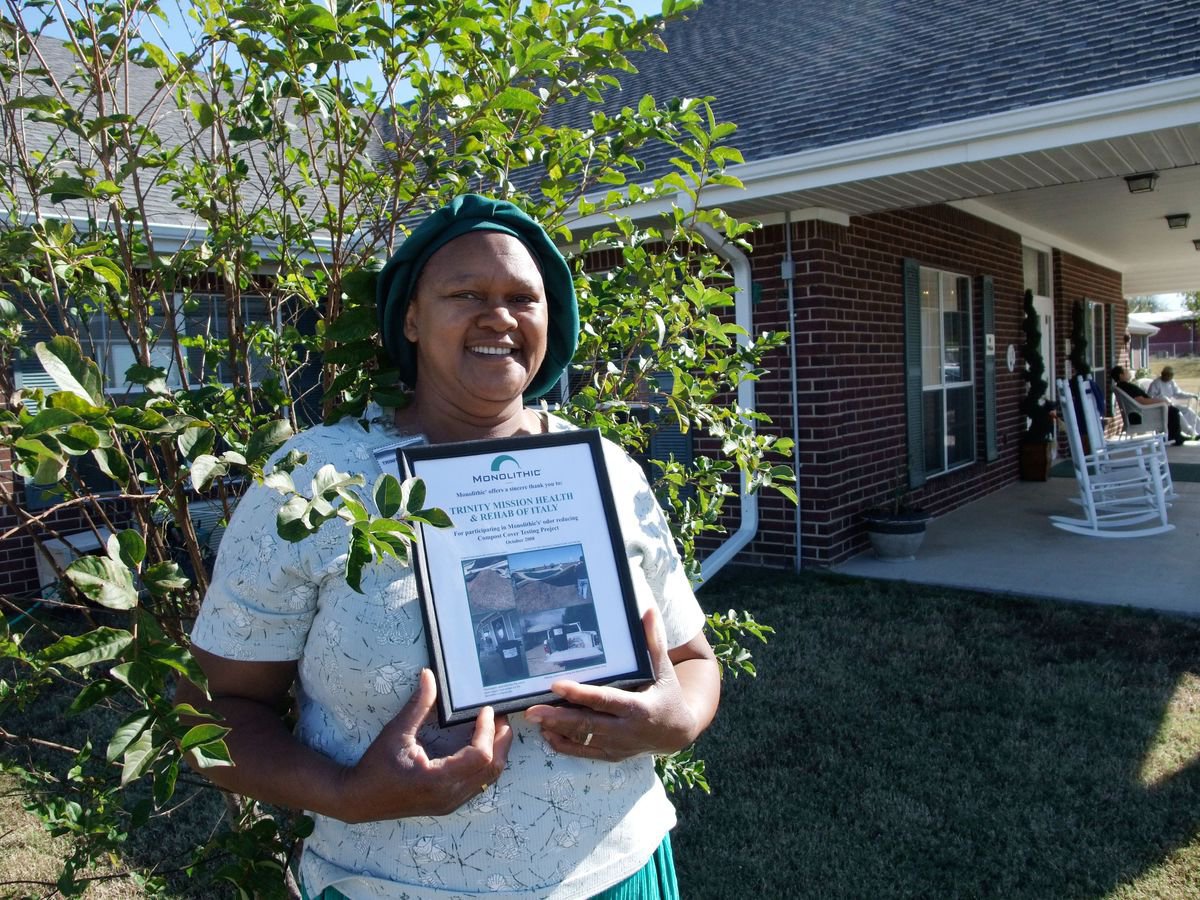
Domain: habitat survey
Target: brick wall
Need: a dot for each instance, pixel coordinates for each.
(1075, 280)
(850, 369)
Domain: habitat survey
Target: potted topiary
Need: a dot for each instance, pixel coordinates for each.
(896, 530)
(1037, 441)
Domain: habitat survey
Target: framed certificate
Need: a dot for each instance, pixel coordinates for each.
(531, 583)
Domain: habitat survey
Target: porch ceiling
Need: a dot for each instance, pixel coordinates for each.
(1071, 197)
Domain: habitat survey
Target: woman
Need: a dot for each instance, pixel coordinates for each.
(477, 309)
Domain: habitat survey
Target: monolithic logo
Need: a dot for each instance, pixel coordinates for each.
(506, 468)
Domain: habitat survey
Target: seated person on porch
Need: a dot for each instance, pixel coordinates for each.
(1120, 377)
(1166, 387)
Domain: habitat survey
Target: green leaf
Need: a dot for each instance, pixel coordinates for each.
(139, 756)
(353, 325)
(137, 419)
(280, 481)
(127, 547)
(357, 559)
(70, 370)
(73, 403)
(40, 102)
(105, 270)
(100, 645)
(388, 495)
(416, 495)
(164, 783)
(92, 694)
(164, 577)
(50, 470)
(66, 188)
(212, 754)
(315, 16)
(359, 287)
(434, 517)
(205, 468)
(153, 378)
(177, 658)
(290, 521)
(195, 441)
(519, 99)
(48, 419)
(127, 732)
(135, 675)
(103, 580)
(266, 440)
(202, 734)
(79, 439)
(113, 464)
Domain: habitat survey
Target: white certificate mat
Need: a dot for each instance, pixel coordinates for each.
(530, 584)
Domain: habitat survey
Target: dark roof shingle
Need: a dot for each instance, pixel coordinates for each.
(799, 75)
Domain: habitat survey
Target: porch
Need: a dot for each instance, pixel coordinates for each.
(1004, 542)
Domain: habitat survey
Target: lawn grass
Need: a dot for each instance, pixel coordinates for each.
(900, 741)
(907, 741)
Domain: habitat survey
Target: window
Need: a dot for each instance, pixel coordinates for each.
(946, 411)
(207, 315)
(104, 340)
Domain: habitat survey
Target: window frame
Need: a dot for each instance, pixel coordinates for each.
(919, 388)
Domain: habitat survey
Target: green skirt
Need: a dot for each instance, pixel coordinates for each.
(653, 881)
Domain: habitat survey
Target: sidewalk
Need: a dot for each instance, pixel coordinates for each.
(1004, 542)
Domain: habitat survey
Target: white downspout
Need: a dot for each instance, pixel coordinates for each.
(789, 275)
(743, 316)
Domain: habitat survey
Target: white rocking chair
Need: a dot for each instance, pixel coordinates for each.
(1113, 500)
(1140, 419)
(1117, 454)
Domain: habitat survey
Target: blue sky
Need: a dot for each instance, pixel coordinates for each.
(176, 33)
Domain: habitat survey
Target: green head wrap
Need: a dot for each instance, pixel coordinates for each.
(470, 212)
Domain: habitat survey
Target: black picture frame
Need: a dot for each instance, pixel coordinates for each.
(535, 562)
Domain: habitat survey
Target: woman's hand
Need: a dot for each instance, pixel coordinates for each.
(396, 778)
(665, 716)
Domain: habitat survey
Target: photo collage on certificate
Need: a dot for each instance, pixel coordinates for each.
(533, 613)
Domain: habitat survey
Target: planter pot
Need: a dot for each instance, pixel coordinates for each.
(1036, 460)
(896, 538)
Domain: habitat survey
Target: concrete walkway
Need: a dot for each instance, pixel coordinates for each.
(1004, 542)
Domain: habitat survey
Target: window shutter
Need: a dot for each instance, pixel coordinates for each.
(1110, 346)
(987, 293)
(913, 399)
(28, 373)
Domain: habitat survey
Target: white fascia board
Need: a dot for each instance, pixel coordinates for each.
(808, 214)
(1163, 104)
(1112, 114)
(1133, 325)
(1035, 236)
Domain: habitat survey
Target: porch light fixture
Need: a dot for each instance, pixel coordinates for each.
(1141, 184)
(1196, 243)
(1178, 220)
